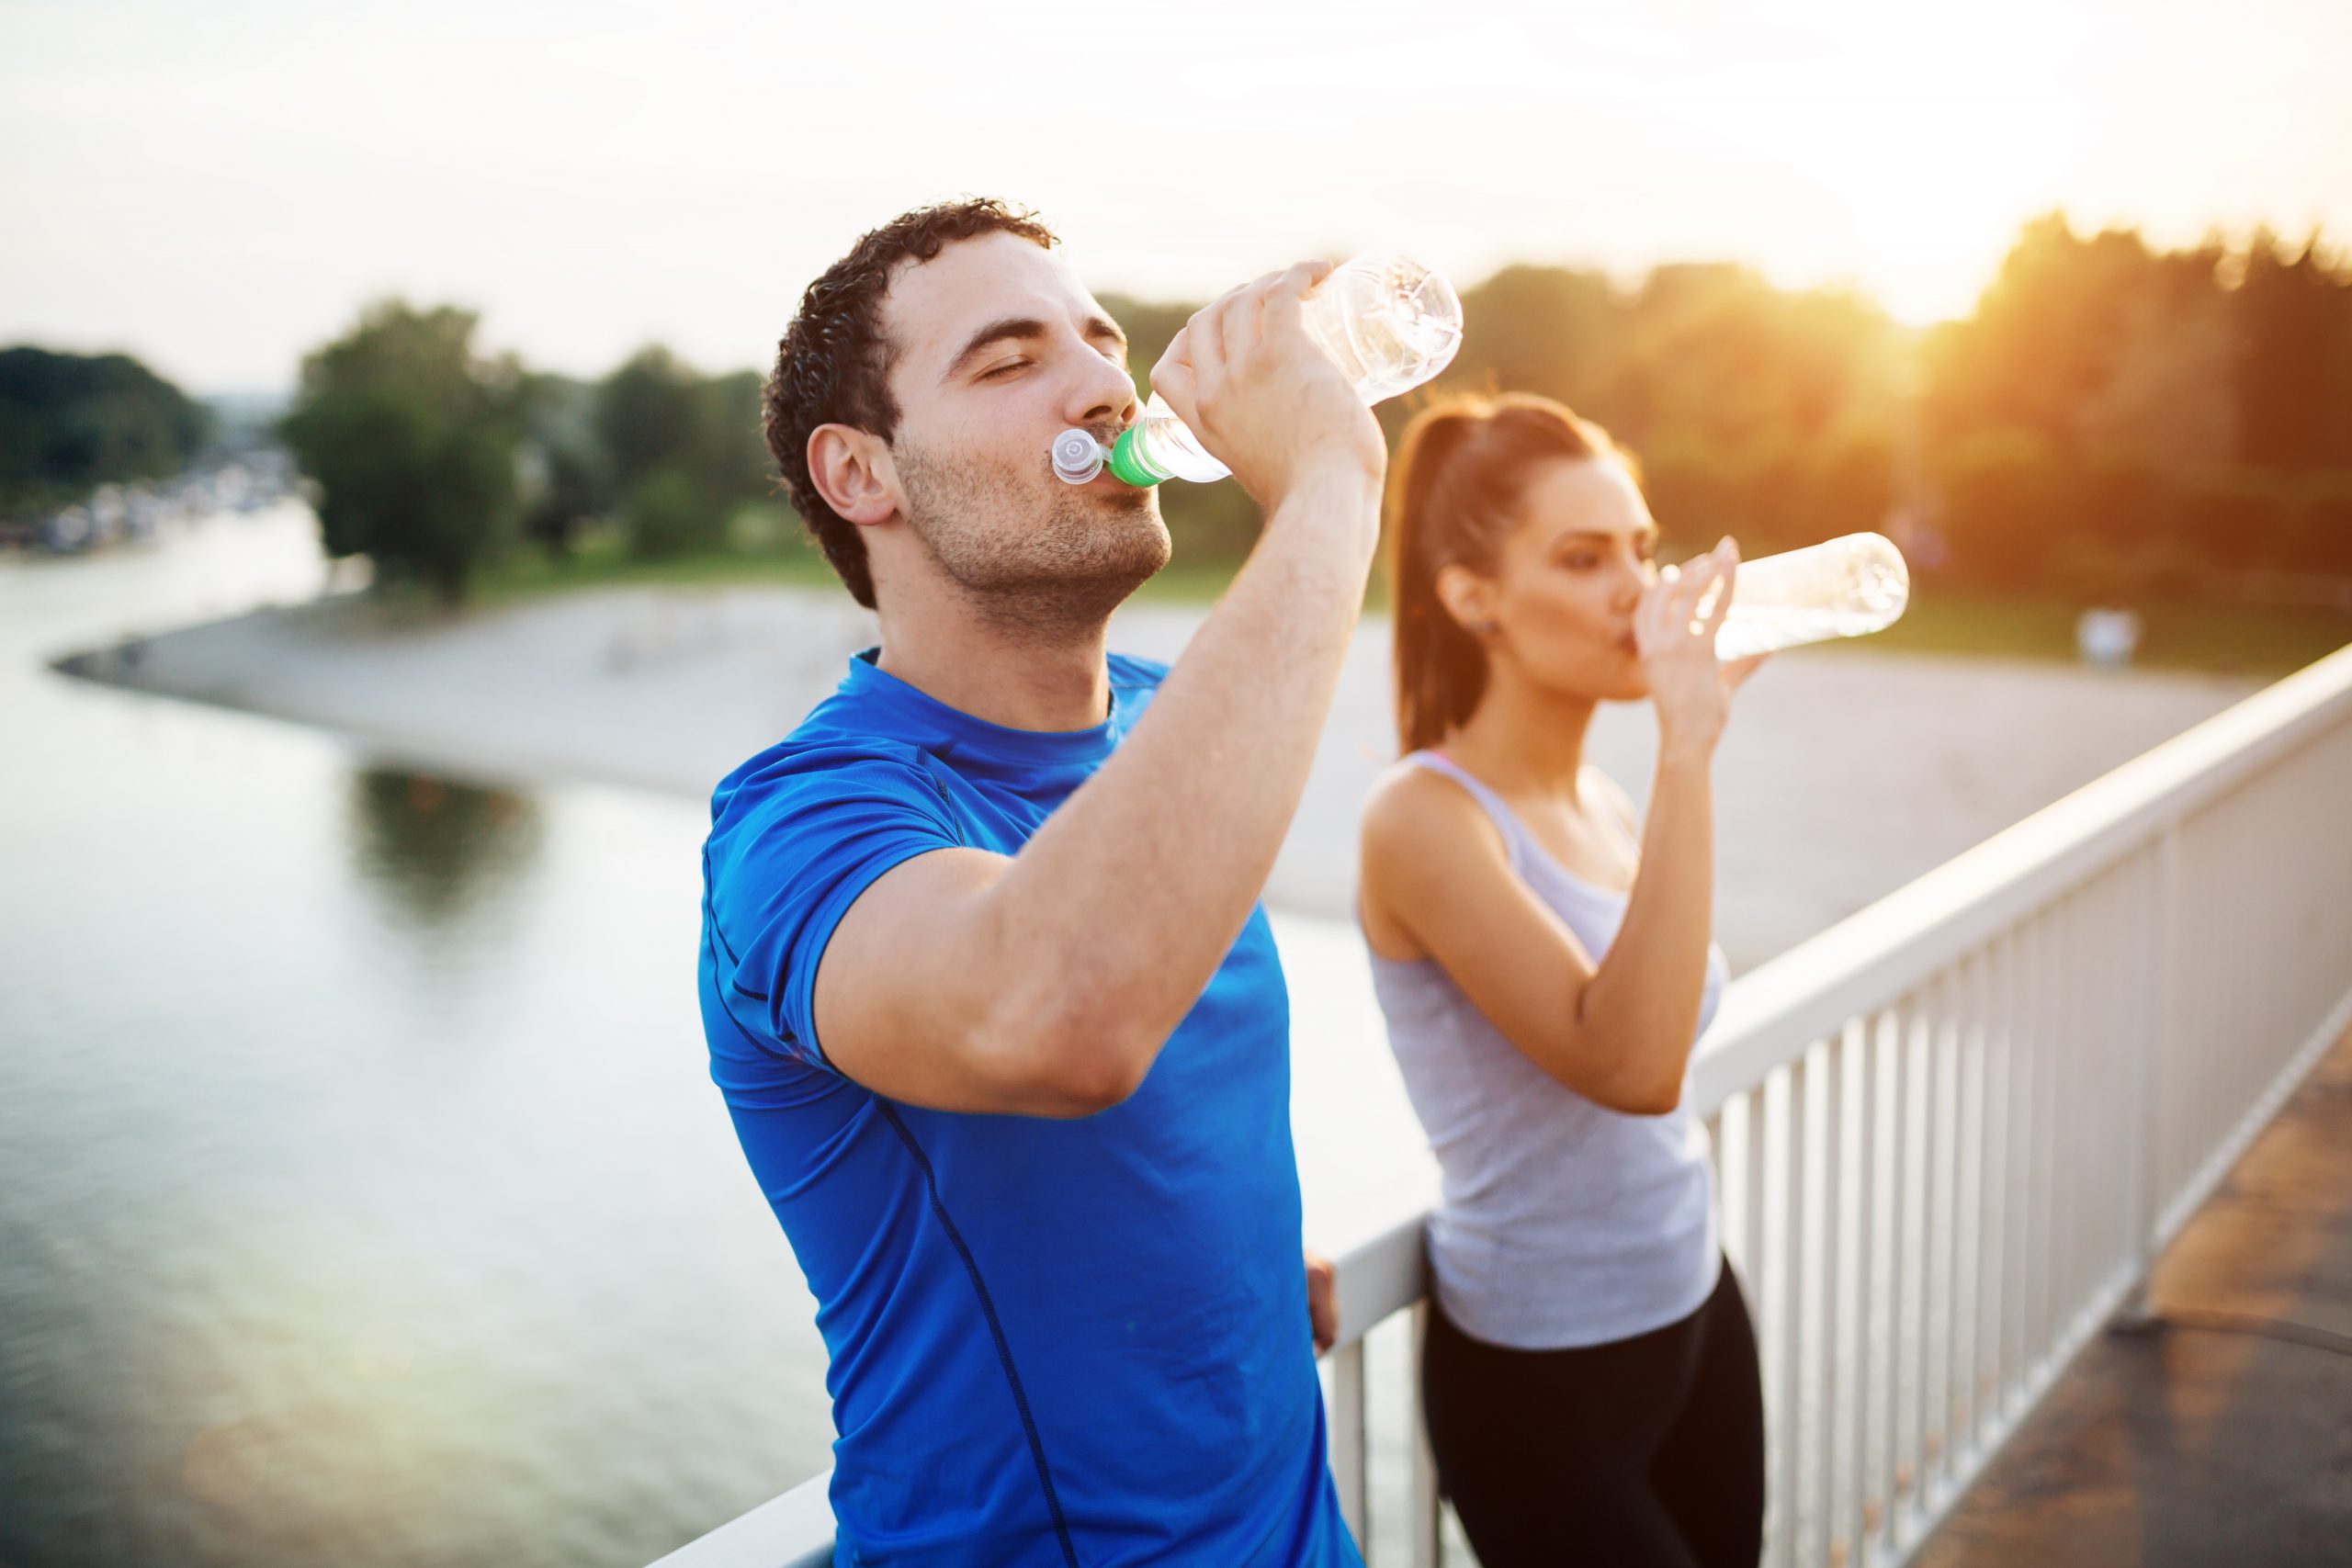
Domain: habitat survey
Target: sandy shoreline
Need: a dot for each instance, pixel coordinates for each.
(1844, 774)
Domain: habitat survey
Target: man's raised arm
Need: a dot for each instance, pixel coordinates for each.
(1045, 983)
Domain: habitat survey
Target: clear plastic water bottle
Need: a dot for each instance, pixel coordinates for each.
(1390, 323)
(1850, 586)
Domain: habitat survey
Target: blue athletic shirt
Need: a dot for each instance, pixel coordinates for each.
(1052, 1342)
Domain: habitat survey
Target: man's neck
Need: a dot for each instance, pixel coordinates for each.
(1020, 676)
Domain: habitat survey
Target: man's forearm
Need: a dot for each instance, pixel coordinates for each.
(1129, 896)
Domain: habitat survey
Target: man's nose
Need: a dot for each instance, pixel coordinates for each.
(1099, 392)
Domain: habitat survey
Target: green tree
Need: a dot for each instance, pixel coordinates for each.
(669, 514)
(729, 450)
(412, 438)
(2006, 500)
(69, 422)
(1550, 330)
(2322, 524)
(2165, 415)
(684, 451)
(567, 477)
(1717, 355)
(645, 413)
(2294, 372)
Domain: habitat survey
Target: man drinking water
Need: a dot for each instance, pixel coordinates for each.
(986, 983)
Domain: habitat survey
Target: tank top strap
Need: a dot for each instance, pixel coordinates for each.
(1506, 820)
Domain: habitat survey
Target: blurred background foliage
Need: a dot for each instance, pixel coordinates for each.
(69, 422)
(2112, 422)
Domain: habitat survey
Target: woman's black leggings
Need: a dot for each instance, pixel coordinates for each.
(1645, 1453)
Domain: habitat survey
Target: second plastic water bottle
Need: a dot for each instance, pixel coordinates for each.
(1850, 586)
(1390, 323)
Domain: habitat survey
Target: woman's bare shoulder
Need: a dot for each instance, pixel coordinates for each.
(1408, 803)
(1419, 831)
(1424, 840)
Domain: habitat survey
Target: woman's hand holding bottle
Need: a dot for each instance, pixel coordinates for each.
(1690, 687)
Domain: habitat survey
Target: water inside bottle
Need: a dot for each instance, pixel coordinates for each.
(1766, 628)
(1849, 586)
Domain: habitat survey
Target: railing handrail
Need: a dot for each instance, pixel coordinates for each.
(1772, 1013)
(1775, 1013)
(795, 1531)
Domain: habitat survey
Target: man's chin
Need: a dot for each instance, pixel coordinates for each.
(1131, 535)
(1106, 557)
(1117, 495)
(1115, 576)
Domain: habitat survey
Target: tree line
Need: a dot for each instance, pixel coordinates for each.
(2113, 420)
(2161, 416)
(434, 458)
(69, 422)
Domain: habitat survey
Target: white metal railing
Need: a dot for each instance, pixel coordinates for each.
(1955, 1130)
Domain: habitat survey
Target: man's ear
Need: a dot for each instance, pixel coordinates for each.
(852, 469)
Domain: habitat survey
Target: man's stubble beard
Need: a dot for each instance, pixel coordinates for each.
(1031, 554)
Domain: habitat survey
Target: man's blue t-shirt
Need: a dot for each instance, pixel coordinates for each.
(1053, 1342)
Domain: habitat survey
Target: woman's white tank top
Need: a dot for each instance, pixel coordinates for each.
(1560, 1223)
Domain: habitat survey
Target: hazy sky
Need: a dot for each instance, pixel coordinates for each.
(218, 186)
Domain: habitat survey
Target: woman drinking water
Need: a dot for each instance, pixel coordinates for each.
(1545, 965)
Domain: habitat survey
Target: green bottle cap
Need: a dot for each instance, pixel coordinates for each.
(1128, 462)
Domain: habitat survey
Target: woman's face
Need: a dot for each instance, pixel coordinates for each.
(1561, 603)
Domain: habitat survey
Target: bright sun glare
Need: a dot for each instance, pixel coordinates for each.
(1929, 133)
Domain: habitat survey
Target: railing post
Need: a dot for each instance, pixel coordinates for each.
(1784, 1448)
(1421, 1503)
(2151, 1062)
(1350, 1451)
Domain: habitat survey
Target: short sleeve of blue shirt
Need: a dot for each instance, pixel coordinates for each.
(814, 828)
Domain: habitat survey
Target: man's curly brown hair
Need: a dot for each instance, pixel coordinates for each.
(833, 363)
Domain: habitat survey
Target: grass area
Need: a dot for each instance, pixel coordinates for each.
(602, 563)
(2228, 639)
(2220, 639)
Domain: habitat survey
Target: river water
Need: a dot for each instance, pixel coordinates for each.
(363, 1199)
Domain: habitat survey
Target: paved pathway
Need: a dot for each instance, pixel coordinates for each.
(2222, 1435)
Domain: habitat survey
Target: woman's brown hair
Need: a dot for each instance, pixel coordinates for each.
(1454, 494)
